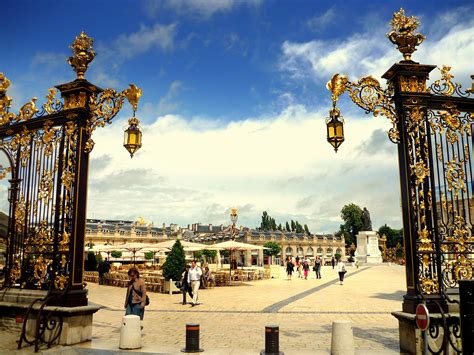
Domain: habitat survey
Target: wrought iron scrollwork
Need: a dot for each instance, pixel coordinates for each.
(369, 95)
(48, 323)
(446, 87)
(444, 331)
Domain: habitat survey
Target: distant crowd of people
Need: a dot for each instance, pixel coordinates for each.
(303, 266)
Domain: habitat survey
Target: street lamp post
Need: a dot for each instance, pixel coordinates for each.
(233, 218)
(432, 127)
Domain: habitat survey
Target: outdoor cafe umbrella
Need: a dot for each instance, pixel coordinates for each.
(187, 246)
(131, 247)
(232, 246)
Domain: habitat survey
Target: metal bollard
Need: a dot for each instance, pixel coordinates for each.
(466, 313)
(272, 341)
(192, 339)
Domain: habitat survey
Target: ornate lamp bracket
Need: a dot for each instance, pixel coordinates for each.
(369, 95)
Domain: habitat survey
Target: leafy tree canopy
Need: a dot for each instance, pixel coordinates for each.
(351, 214)
(274, 249)
(394, 236)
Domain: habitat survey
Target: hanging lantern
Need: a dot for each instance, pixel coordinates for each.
(335, 128)
(133, 136)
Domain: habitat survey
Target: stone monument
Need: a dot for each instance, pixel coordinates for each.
(367, 242)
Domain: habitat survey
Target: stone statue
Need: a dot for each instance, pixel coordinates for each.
(366, 222)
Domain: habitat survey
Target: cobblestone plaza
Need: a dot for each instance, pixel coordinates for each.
(233, 318)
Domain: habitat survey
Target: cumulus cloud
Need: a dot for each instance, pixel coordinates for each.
(369, 52)
(193, 170)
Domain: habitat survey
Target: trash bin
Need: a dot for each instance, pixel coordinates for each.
(130, 333)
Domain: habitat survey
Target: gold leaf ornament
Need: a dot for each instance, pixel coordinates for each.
(403, 33)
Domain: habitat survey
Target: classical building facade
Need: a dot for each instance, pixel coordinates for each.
(325, 246)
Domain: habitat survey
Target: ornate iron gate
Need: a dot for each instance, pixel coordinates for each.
(48, 149)
(432, 127)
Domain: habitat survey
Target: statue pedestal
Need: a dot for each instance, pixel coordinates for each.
(368, 247)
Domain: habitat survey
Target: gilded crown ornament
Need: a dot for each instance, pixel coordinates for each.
(83, 54)
(403, 33)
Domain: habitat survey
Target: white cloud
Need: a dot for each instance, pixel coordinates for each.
(158, 36)
(194, 170)
(320, 22)
(105, 70)
(169, 101)
(370, 52)
(197, 8)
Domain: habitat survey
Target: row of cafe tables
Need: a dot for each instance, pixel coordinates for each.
(155, 280)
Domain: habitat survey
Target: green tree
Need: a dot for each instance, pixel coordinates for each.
(274, 249)
(116, 254)
(288, 227)
(394, 236)
(351, 214)
(337, 256)
(209, 254)
(280, 228)
(225, 253)
(306, 229)
(175, 262)
(293, 226)
(264, 223)
(149, 255)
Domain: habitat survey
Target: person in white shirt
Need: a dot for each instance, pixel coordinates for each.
(341, 269)
(194, 279)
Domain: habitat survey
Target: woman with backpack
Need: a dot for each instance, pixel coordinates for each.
(136, 298)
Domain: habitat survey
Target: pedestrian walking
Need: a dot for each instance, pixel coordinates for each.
(333, 262)
(185, 286)
(306, 269)
(317, 267)
(194, 279)
(207, 277)
(289, 269)
(299, 268)
(135, 301)
(341, 269)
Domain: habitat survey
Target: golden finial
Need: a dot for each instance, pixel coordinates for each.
(4, 83)
(133, 94)
(83, 54)
(403, 33)
(337, 86)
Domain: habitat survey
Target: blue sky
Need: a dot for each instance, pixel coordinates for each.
(228, 68)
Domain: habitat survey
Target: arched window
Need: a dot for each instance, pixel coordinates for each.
(320, 251)
(329, 251)
(339, 251)
(299, 251)
(309, 251)
(289, 251)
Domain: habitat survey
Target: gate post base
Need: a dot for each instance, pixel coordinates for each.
(411, 338)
